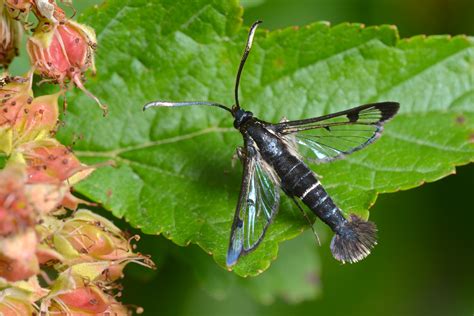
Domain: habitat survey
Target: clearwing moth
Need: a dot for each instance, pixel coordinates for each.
(272, 157)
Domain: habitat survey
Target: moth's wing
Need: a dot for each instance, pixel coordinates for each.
(332, 136)
(257, 206)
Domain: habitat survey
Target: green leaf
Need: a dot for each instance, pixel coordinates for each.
(298, 256)
(294, 277)
(174, 175)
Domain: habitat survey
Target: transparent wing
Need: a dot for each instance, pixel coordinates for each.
(257, 206)
(329, 137)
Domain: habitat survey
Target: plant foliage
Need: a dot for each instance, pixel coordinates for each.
(173, 173)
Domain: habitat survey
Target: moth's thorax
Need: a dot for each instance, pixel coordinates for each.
(268, 143)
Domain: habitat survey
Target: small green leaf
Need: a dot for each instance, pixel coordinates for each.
(174, 175)
(294, 277)
(298, 256)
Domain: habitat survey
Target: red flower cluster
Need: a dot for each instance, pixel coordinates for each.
(40, 224)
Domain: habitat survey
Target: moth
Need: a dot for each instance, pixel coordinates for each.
(272, 157)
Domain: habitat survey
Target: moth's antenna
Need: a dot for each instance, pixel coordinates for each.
(253, 28)
(175, 104)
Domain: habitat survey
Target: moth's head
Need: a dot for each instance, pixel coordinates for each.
(241, 116)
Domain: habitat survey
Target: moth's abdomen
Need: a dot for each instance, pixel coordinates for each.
(298, 180)
(354, 238)
(319, 201)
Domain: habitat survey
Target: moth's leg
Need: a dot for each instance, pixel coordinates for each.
(239, 154)
(307, 219)
(287, 192)
(318, 176)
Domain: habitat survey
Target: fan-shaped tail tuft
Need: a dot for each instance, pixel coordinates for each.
(354, 241)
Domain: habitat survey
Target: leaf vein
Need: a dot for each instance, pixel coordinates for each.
(115, 153)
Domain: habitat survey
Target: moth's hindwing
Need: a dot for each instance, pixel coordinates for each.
(257, 205)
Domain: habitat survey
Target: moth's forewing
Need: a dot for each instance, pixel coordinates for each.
(333, 136)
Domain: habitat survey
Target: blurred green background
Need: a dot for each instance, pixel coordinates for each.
(424, 264)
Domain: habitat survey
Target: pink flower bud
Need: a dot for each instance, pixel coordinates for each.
(50, 162)
(46, 198)
(74, 295)
(16, 214)
(39, 117)
(36, 120)
(22, 203)
(12, 307)
(52, 169)
(18, 7)
(10, 34)
(47, 255)
(88, 299)
(15, 94)
(18, 298)
(15, 302)
(88, 237)
(18, 259)
(64, 53)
